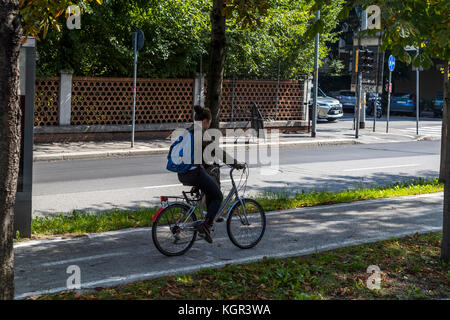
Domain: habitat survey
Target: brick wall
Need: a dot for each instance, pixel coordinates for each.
(46, 102)
(108, 101)
(264, 94)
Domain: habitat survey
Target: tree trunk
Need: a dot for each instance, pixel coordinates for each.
(217, 61)
(444, 135)
(10, 32)
(445, 249)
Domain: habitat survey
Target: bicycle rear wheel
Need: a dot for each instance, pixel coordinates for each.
(174, 232)
(246, 227)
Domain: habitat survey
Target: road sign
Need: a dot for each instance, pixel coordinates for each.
(140, 39)
(391, 63)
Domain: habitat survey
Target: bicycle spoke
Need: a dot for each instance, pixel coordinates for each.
(246, 227)
(173, 233)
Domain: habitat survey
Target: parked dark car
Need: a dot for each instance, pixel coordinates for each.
(438, 104)
(347, 99)
(403, 103)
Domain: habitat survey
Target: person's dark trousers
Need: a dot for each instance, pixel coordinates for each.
(201, 179)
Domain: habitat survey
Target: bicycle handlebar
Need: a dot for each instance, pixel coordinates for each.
(227, 165)
(217, 166)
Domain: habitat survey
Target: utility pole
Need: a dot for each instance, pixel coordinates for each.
(138, 42)
(379, 77)
(391, 64)
(389, 101)
(316, 81)
(417, 95)
(134, 88)
(366, 65)
(278, 89)
(362, 123)
(358, 90)
(358, 110)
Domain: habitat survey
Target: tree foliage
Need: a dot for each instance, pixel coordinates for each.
(39, 15)
(178, 38)
(280, 39)
(420, 24)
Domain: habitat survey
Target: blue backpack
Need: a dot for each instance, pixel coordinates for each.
(181, 153)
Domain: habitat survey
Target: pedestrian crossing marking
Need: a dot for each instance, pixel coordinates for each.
(432, 131)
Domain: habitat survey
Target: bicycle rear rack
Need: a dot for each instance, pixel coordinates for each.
(192, 196)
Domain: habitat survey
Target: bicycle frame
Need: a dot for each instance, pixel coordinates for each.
(233, 193)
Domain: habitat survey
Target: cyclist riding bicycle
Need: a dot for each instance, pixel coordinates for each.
(198, 177)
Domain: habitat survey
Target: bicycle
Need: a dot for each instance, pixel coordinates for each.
(174, 224)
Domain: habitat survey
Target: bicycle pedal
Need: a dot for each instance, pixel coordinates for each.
(201, 236)
(220, 220)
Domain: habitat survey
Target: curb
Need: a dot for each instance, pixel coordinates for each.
(158, 151)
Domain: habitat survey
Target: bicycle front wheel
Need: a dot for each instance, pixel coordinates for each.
(246, 223)
(174, 232)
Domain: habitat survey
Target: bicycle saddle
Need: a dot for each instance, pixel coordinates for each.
(195, 190)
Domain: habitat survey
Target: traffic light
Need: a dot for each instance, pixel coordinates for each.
(366, 60)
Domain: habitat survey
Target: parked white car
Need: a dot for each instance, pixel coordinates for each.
(327, 107)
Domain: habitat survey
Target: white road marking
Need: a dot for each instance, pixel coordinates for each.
(432, 131)
(387, 167)
(176, 185)
(100, 256)
(164, 186)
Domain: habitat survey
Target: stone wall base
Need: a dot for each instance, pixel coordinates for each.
(143, 132)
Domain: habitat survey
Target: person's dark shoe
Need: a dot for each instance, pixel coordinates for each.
(205, 230)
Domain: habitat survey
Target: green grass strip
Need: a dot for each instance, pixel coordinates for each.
(284, 200)
(79, 223)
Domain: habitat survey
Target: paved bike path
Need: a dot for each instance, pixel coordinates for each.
(125, 256)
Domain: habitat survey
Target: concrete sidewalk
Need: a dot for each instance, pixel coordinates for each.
(339, 133)
(124, 256)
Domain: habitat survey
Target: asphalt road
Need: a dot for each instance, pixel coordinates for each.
(102, 184)
(125, 256)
